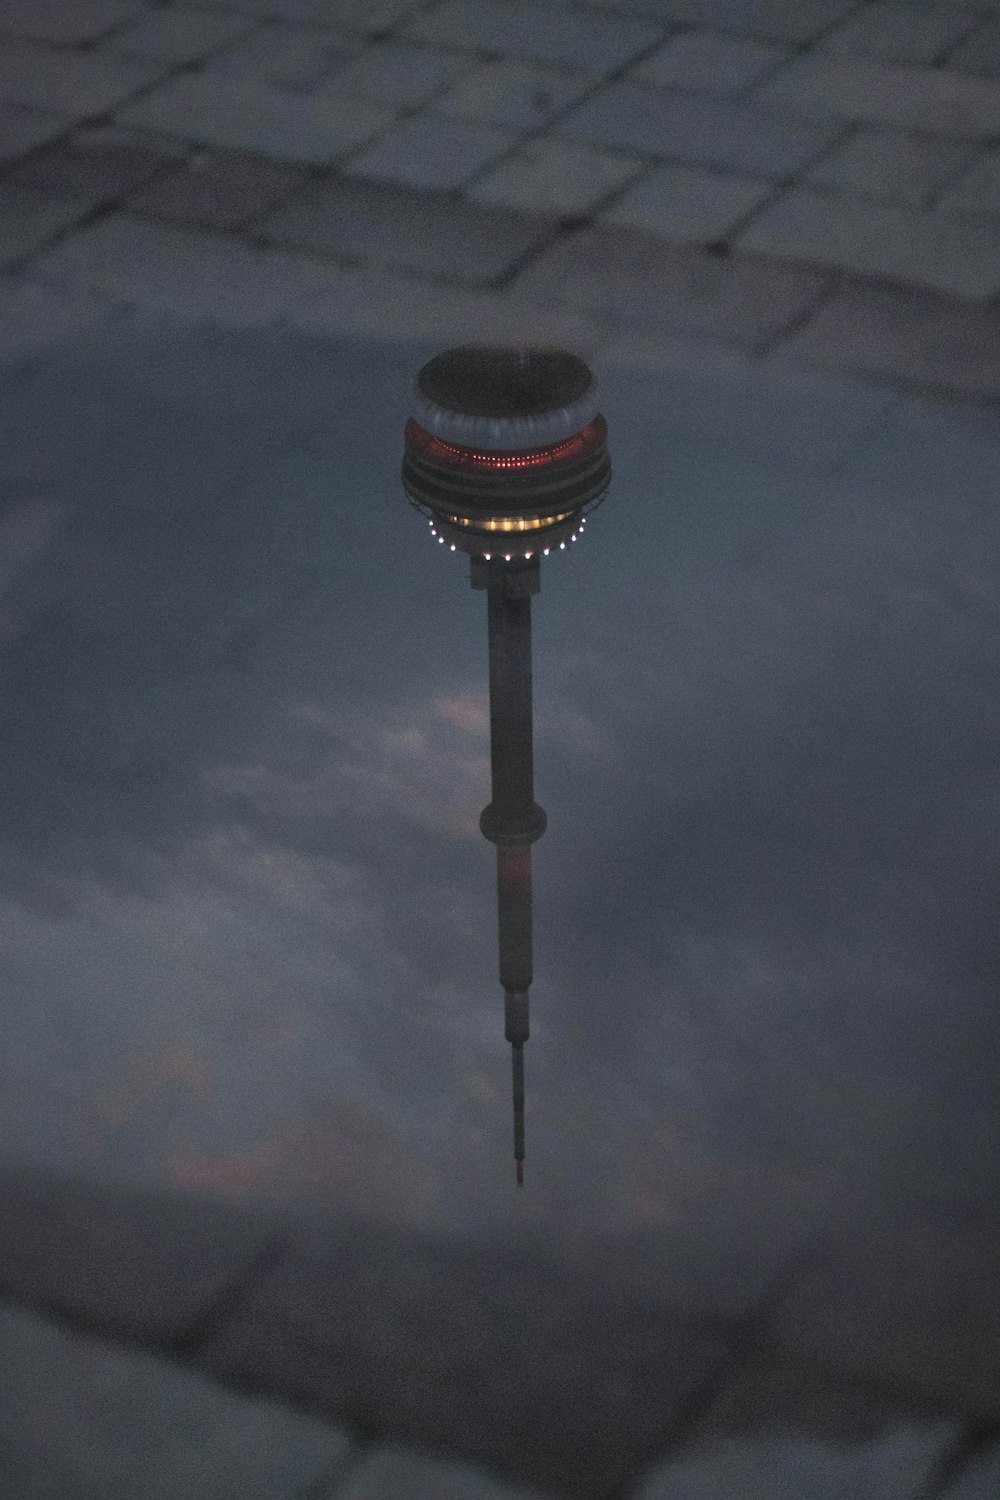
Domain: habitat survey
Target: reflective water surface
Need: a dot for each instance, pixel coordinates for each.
(249, 920)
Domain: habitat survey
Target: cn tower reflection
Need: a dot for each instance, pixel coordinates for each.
(505, 455)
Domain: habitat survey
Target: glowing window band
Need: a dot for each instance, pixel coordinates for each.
(509, 523)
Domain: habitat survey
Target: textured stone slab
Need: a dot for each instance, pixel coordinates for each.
(217, 189)
(136, 1262)
(938, 101)
(892, 240)
(536, 32)
(904, 1301)
(22, 130)
(396, 1473)
(273, 122)
(688, 203)
(358, 15)
(293, 57)
(980, 52)
(177, 36)
(33, 318)
(73, 84)
(62, 22)
(774, 20)
(395, 75)
(980, 1481)
(399, 226)
(555, 177)
(514, 96)
(97, 162)
(29, 219)
(890, 164)
(900, 33)
(902, 334)
(977, 191)
(490, 1354)
(82, 1418)
(429, 152)
(787, 1430)
(708, 60)
(712, 130)
(637, 278)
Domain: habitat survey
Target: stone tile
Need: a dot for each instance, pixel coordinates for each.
(554, 177)
(57, 21)
(395, 226)
(633, 277)
(177, 36)
(356, 15)
(908, 336)
(686, 203)
(28, 219)
(217, 190)
(289, 57)
(137, 1262)
(708, 60)
(904, 1301)
(80, 1417)
(905, 168)
(269, 121)
(980, 51)
(383, 304)
(396, 1473)
(977, 191)
(183, 271)
(22, 130)
(430, 152)
(771, 20)
(73, 84)
(516, 96)
(957, 256)
(712, 130)
(980, 1481)
(536, 32)
(938, 101)
(98, 162)
(900, 33)
(33, 318)
(490, 1354)
(395, 75)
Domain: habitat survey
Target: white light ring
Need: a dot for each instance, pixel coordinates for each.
(517, 433)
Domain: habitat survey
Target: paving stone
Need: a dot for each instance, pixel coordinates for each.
(22, 130)
(772, 20)
(905, 168)
(536, 33)
(398, 226)
(357, 15)
(977, 191)
(81, 1417)
(184, 271)
(135, 1262)
(902, 334)
(517, 96)
(429, 151)
(712, 130)
(491, 1354)
(273, 122)
(33, 318)
(290, 57)
(980, 1481)
(57, 21)
(958, 256)
(73, 84)
(98, 162)
(382, 304)
(554, 177)
(397, 1473)
(218, 189)
(709, 60)
(394, 74)
(687, 203)
(980, 51)
(900, 33)
(638, 278)
(904, 1301)
(177, 36)
(938, 101)
(28, 219)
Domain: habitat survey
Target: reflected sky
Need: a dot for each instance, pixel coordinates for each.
(249, 918)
